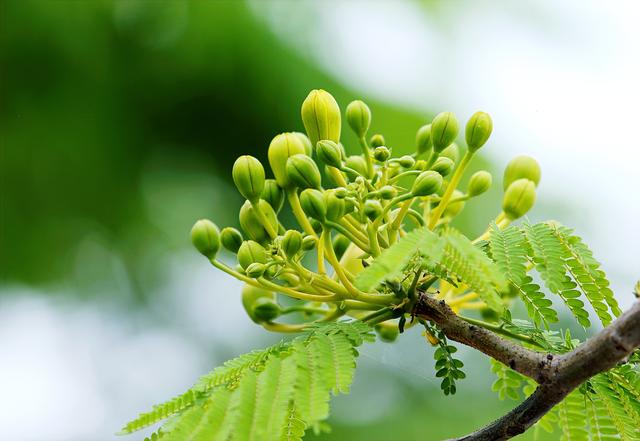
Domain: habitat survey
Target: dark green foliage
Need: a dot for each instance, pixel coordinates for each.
(447, 367)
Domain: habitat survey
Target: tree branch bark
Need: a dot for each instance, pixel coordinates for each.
(557, 375)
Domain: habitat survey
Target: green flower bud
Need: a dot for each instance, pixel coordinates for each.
(329, 152)
(282, 147)
(340, 192)
(340, 244)
(250, 223)
(444, 130)
(349, 205)
(427, 183)
(377, 140)
(388, 333)
(359, 117)
(306, 142)
(372, 209)
(453, 208)
(452, 152)
(407, 161)
(357, 163)
(255, 270)
(443, 165)
(250, 295)
(251, 252)
(388, 192)
(248, 175)
(334, 204)
(478, 130)
(519, 198)
(381, 153)
(321, 116)
(479, 183)
(421, 164)
(291, 243)
(265, 310)
(309, 243)
(273, 194)
(312, 202)
(521, 167)
(231, 239)
(423, 139)
(206, 238)
(303, 171)
(316, 225)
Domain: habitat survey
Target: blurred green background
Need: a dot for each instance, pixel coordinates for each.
(119, 122)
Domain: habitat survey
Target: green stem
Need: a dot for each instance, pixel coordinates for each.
(367, 156)
(294, 202)
(263, 219)
(455, 180)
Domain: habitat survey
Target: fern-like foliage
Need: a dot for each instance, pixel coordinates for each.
(509, 251)
(274, 394)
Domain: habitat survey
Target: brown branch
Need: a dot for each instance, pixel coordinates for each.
(557, 375)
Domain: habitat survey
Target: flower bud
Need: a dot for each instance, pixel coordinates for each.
(303, 171)
(340, 244)
(321, 116)
(427, 183)
(349, 205)
(306, 142)
(521, 167)
(357, 163)
(329, 153)
(248, 175)
(282, 147)
(423, 139)
(407, 161)
(478, 130)
(252, 225)
(372, 209)
(312, 202)
(317, 226)
(231, 239)
(387, 333)
(206, 238)
(377, 140)
(309, 243)
(250, 295)
(421, 165)
(519, 198)
(255, 270)
(388, 192)
(444, 166)
(273, 194)
(359, 117)
(444, 130)
(251, 252)
(291, 243)
(334, 204)
(479, 183)
(266, 310)
(452, 152)
(381, 153)
(340, 192)
(453, 208)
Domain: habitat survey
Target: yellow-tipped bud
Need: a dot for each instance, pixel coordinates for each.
(282, 147)
(291, 243)
(231, 239)
(478, 130)
(427, 183)
(251, 252)
(273, 194)
(206, 238)
(479, 183)
(303, 171)
(521, 167)
(248, 175)
(519, 198)
(359, 117)
(312, 202)
(423, 139)
(444, 130)
(329, 152)
(321, 116)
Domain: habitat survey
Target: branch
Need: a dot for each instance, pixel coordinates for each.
(556, 375)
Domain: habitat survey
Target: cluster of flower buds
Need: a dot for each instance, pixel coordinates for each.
(348, 209)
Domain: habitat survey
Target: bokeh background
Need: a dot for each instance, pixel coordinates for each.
(119, 122)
